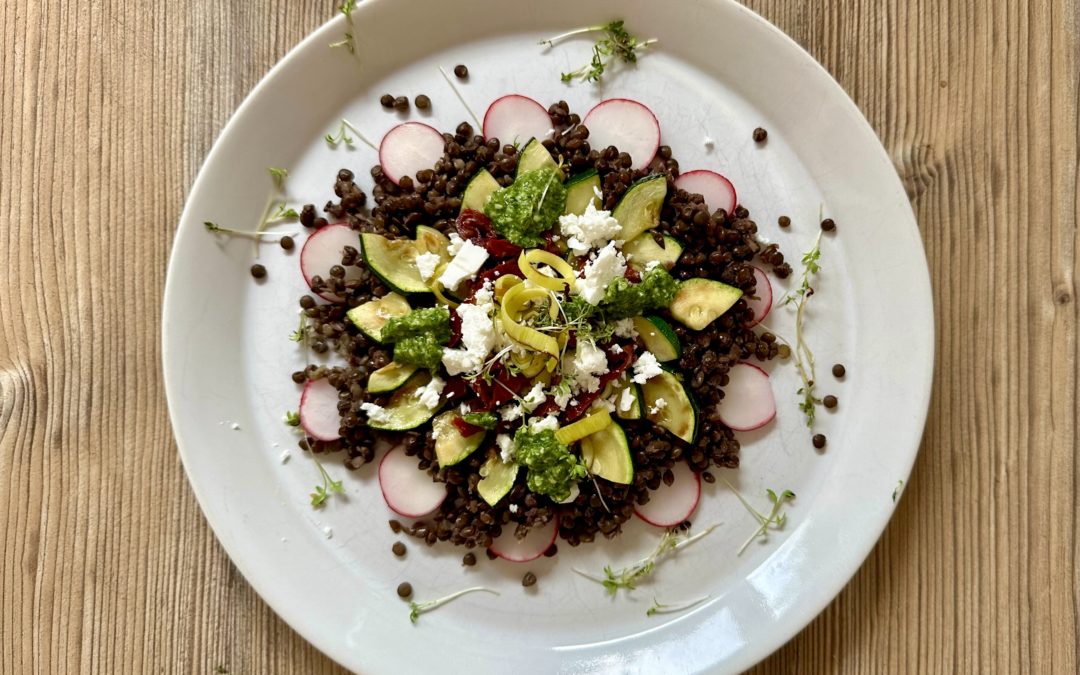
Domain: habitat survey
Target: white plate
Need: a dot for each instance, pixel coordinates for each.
(719, 71)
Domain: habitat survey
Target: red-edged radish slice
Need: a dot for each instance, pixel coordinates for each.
(538, 540)
(318, 410)
(748, 401)
(408, 148)
(672, 504)
(626, 124)
(408, 491)
(516, 119)
(718, 191)
(761, 303)
(323, 249)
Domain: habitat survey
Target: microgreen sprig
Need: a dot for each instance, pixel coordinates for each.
(342, 136)
(804, 357)
(318, 497)
(292, 418)
(660, 608)
(278, 175)
(617, 42)
(628, 577)
(301, 332)
(349, 41)
(418, 608)
(217, 229)
(775, 520)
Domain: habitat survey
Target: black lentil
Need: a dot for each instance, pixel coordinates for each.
(461, 71)
(258, 271)
(760, 135)
(828, 225)
(469, 559)
(287, 243)
(401, 104)
(395, 526)
(386, 100)
(398, 548)
(422, 102)
(819, 441)
(838, 370)
(528, 580)
(829, 401)
(404, 590)
(783, 221)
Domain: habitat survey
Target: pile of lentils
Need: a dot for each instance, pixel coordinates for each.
(718, 245)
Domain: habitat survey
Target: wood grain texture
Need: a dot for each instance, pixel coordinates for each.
(106, 563)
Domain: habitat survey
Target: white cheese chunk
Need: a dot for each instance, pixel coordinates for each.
(430, 393)
(426, 264)
(626, 400)
(376, 413)
(468, 261)
(506, 447)
(608, 265)
(590, 230)
(646, 367)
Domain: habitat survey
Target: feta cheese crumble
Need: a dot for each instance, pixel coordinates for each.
(376, 413)
(584, 369)
(456, 242)
(510, 413)
(646, 367)
(591, 229)
(464, 265)
(608, 265)
(506, 447)
(709, 143)
(538, 424)
(657, 406)
(478, 334)
(624, 328)
(426, 264)
(430, 393)
(626, 400)
(651, 265)
(535, 397)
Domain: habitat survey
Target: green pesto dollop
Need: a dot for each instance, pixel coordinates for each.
(418, 336)
(528, 207)
(624, 299)
(552, 469)
(484, 420)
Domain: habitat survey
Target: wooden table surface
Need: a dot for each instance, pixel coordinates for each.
(107, 111)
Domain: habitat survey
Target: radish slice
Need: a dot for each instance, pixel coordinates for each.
(672, 504)
(761, 303)
(408, 148)
(408, 491)
(538, 540)
(318, 410)
(516, 119)
(626, 124)
(323, 249)
(718, 191)
(748, 401)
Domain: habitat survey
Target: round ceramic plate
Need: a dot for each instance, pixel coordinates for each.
(718, 71)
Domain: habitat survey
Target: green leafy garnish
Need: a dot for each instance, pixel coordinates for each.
(775, 520)
(628, 577)
(292, 418)
(217, 229)
(301, 332)
(278, 175)
(342, 136)
(660, 608)
(896, 491)
(318, 497)
(804, 358)
(418, 608)
(349, 41)
(283, 212)
(617, 42)
(484, 420)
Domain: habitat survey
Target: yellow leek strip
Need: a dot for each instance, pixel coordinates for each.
(504, 283)
(514, 304)
(537, 256)
(586, 426)
(530, 364)
(437, 288)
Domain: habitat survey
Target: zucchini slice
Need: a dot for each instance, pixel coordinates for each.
(659, 337)
(430, 240)
(450, 446)
(678, 414)
(497, 478)
(479, 188)
(394, 262)
(699, 302)
(639, 208)
(607, 454)
(406, 410)
(535, 156)
(389, 377)
(580, 190)
(643, 249)
(371, 316)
